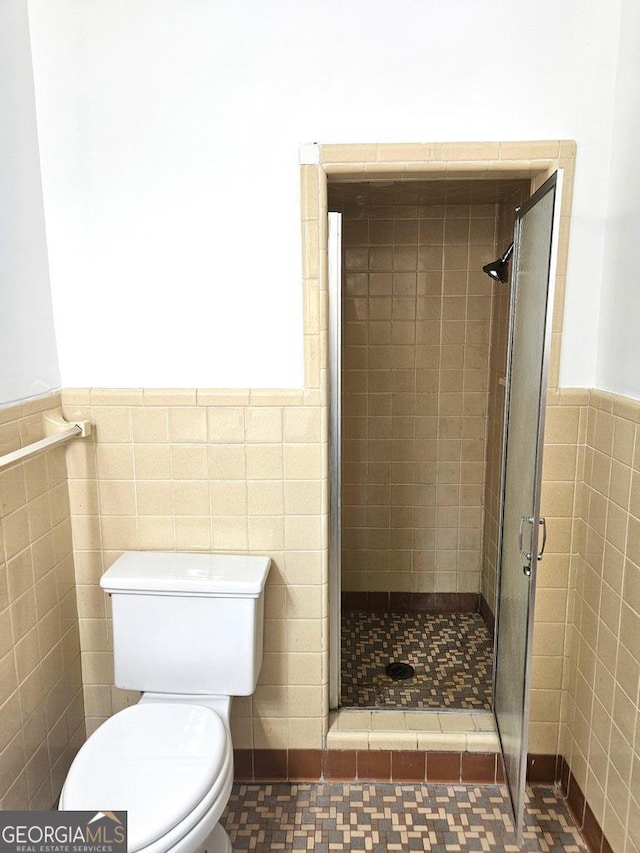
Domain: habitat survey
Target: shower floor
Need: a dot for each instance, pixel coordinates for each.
(452, 655)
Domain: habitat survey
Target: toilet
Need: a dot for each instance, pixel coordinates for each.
(187, 633)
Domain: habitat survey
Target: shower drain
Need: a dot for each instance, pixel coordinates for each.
(400, 671)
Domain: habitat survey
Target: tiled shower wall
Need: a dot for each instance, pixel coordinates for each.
(41, 708)
(415, 370)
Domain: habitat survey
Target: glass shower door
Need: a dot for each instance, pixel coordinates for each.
(522, 530)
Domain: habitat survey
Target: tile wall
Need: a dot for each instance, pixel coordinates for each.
(601, 721)
(41, 703)
(561, 454)
(415, 369)
(173, 471)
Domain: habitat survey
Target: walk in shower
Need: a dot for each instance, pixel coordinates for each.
(423, 347)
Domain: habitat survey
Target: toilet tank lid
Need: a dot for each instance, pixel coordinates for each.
(170, 572)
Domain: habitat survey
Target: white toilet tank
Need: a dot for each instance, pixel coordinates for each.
(187, 623)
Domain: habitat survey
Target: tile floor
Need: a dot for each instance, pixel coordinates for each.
(326, 817)
(452, 655)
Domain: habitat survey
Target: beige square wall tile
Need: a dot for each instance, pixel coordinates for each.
(113, 424)
(303, 497)
(306, 733)
(226, 425)
(305, 635)
(188, 424)
(304, 701)
(191, 498)
(229, 497)
(154, 497)
(152, 462)
(150, 425)
(303, 532)
(264, 424)
(265, 498)
(303, 461)
(264, 462)
(117, 497)
(189, 462)
(227, 462)
(155, 533)
(265, 533)
(230, 533)
(302, 424)
(193, 533)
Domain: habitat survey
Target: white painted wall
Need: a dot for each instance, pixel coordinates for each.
(169, 136)
(618, 367)
(28, 357)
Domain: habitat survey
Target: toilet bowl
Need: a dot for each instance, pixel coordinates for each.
(182, 624)
(168, 765)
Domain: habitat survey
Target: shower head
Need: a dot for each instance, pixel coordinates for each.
(497, 270)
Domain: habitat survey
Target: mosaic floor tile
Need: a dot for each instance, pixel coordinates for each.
(452, 655)
(331, 818)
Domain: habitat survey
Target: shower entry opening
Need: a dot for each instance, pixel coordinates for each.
(438, 378)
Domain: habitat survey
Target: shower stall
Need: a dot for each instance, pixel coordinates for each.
(422, 347)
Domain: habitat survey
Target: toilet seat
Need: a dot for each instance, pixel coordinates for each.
(166, 764)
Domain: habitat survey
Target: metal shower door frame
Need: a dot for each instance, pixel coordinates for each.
(553, 183)
(334, 284)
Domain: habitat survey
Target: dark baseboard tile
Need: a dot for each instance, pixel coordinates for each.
(375, 765)
(305, 765)
(243, 765)
(382, 765)
(585, 819)
(542, 769)
(411, 602)
(277, 765)
(270, 764)
(487, 614)
(340, 765)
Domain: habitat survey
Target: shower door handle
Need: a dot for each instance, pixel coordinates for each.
(543, 524)
(526, 555)
(524, 520)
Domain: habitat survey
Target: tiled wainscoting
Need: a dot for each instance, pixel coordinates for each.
(41, 705)
(203, 471)
(600, 726)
